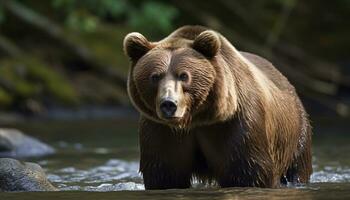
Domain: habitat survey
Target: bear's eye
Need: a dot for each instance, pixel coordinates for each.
(183, 77)
(155, 78)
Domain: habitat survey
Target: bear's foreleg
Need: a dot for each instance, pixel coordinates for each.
(166, 157)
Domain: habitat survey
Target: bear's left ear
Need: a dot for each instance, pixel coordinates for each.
(207, 43)
(136, 45)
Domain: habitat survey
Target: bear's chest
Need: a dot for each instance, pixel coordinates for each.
(218, 140)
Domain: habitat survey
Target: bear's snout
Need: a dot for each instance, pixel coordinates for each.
(168, 108)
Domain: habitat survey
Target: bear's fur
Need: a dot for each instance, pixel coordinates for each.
(242, 125)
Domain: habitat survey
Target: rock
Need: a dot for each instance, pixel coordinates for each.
(15, 144)
(22, 176)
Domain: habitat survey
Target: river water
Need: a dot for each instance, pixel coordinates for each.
(99, 160)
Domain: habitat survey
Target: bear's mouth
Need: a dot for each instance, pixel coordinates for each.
(181, 120)
(178, 122)
(175, 117)
(172, 119)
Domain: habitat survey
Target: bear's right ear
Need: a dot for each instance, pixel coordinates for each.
(136, 45)
(207, 43)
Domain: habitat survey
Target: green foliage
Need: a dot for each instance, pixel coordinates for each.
(101, 8)
(150, 17)
(85, 15)
(81, 21)
(30, 79)
(153, 18)
(115, 8)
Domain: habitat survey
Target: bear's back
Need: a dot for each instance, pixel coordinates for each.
(270, 72)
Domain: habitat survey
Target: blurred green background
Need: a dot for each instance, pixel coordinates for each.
(68, 53)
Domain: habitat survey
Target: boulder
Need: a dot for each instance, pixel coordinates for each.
(22, 176)
(15, 144)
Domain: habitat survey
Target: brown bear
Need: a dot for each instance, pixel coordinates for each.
(215, 114)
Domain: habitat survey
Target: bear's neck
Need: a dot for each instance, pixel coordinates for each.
(240, 90)
(222, 101)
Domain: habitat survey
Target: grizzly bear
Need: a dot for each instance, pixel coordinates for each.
(214, 114)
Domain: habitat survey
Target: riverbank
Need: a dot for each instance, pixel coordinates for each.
(81, 113)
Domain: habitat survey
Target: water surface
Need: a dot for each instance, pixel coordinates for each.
(101, 157)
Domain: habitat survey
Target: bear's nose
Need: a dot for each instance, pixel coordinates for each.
(168, 108)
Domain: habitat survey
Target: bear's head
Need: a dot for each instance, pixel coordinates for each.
(170, 80)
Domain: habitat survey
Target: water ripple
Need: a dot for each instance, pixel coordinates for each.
(115, 175)
(331, 174)
(111, 176)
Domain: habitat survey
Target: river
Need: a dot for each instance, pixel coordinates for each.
(98, 159)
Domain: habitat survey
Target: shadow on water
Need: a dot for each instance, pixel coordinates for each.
(101, 157)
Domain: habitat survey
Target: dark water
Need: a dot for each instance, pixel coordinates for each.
(99, 160)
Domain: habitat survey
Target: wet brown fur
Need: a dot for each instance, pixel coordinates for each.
(247, 128)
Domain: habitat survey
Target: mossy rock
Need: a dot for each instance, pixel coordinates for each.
(17, 176)
(29, 78)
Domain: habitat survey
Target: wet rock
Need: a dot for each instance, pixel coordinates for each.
(15, 144)
(22, 176)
